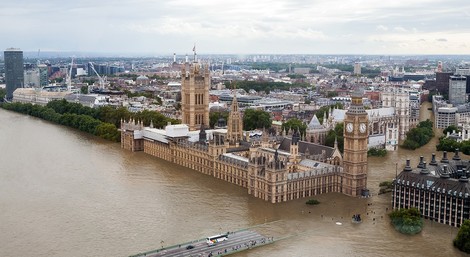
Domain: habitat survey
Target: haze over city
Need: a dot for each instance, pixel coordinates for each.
(238, 27)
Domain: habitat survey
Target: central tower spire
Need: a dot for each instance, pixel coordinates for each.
(195, 84)
(235, 122)
(356, 133)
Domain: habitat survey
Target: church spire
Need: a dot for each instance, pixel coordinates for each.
(202, 134)
(235, 123)
(234, 106)
(296, 136)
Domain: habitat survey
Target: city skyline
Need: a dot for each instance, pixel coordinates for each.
(239, 27)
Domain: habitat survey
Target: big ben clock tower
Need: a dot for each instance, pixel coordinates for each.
(354, 180)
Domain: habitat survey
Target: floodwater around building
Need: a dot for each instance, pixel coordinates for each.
(66, 193)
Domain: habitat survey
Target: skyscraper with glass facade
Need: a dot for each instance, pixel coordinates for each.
(14, 73)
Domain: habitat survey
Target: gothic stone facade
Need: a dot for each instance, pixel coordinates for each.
(272, 174)
(355, 148)
(195, 83)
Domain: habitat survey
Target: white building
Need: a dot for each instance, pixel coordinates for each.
(357, 68)
(31, 78)
(445, 116)
(400, 101)
(384, 129)
(37, 96)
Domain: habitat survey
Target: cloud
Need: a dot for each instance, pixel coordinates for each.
(441, 40)
(243, 26)
(381, 28)
(400, 29)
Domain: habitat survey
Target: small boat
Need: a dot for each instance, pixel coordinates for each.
(356, 218)
(339, 223)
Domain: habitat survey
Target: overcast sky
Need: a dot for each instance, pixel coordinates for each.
(238, 26)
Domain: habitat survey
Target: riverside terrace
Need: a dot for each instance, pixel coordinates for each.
(440, 190)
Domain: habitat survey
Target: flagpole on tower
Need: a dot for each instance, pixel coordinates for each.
(194, 50)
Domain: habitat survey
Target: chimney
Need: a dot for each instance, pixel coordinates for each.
(456, 155)
(433, 160)
(444, 157)
(407, 166)
(421, 160)
(464, 177)
(445, 173)
(424, 170)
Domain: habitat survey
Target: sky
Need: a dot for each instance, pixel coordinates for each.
(238, 26)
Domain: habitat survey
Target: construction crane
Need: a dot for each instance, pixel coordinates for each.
(69, 77)
(101, 80)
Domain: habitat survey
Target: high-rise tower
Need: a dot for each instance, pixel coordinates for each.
(14, 73)
(354, 179)
(235, 123)
(195, 84)
(457, 90)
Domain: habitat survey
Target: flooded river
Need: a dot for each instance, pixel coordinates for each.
(66, 193)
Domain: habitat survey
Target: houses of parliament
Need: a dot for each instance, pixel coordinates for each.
(275, 170)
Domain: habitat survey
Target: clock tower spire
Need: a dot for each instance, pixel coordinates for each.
(356, 134)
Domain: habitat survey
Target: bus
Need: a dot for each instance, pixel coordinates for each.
(212, 240)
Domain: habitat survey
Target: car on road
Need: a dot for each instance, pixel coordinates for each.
(189, 247)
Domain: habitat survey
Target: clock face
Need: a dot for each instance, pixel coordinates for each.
(349, 127)
(362, 127)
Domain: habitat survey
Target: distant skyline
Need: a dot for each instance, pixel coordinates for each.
(238, 27)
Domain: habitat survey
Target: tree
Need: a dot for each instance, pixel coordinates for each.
(111, 115)
(324, 109)
(447, 144)
(266, 86)
(294, 124)
(407, 221)
(336, 134)
(108, 131)
(450, 129)
(158, 119)
(312, 202)
(84, 90)
(419, 136)
(462, 240)
(3, 93)
(256, 119)
(377, 152)
(215, 116)
(331, 94)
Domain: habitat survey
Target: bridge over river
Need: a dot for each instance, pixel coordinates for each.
(237, 241)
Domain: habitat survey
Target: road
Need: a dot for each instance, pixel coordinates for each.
(237, 241)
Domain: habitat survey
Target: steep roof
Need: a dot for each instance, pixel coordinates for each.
(314, 149)
(315, 123)
(432, 182)
(441, 176)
